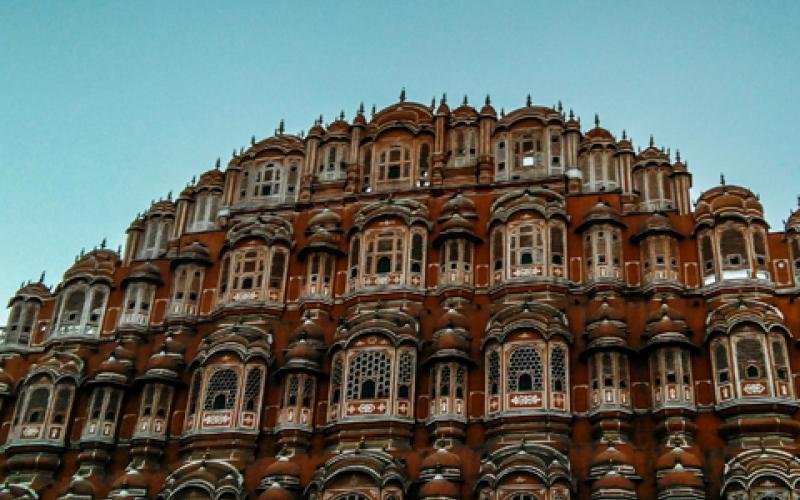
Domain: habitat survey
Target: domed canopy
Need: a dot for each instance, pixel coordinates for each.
(99, 264)
(194, 253)
(656, 224)
(666, 325)
(211, 179)
(616, 482)
(113, 371)
(146, 272)
(439, 488)
(601, 213)
(728, 202)
(37, 291)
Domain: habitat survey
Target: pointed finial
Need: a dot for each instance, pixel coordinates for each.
(361, 108)
(241, 150)
(103, 243)
(194, 179)
(488, 100)
(403, 94)
(652, 141)
(302, 133)
(281, 127)
(252, 140)
(444, 98)
(83, 252)
(528, 101)
(596, 121)
(560, 106)
(722, 179)
(465, 102)
(433, 102)
(320, 119)
(502, 112)
(41, 277)
(571, 114)
(373, 110)
(169, 195)
(798, 201)
(678, 155)
(624, 134)
(119, 249)
(341, 115)
(233, 155)
(217, 164)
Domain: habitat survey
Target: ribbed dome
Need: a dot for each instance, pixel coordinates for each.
(211, 178)
(452, 318)
(611, 455)
(441, 458)
(277, 492)
(303, 350)
(439, 488)
(677, 455)
(613, 480)
(283, 466)
(680, 478)
(325, 217)
(144, 272)
(132, 479)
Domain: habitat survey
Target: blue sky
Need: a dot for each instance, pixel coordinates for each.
(107, 105)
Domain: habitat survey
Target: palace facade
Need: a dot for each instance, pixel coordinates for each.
(422, 303)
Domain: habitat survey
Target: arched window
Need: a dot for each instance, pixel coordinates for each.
(204, 211)
(707, 258)
(186, 289)
(101, 421)
(527, 249)
(221, 390)
(603, 252)
(760, 254)
(424, 165)
(733, 251)
(394, 164)
(337, 372)
(366, 170)
(80, 309)
(525, 370)
(455, 262)
(319, 279)
(252, 390)
(156, 237)
(138, 299)
(21, 321)
(37, 405)
(557, 253)
(494, 373)
(750, 358)
(464, 147)
(497, 255)
(42, 410)
(154, 410)
(528, 156)
(609, 380)
(672, 377)
(500, 160)
(369, 376)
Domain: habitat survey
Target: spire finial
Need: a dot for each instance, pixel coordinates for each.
(241, 150)
(433, 102)
(678, 155)
(560, 106)
(466, 101)
(444, 98)
(722, 179)
(571, 114)
(652, 141)
(373, 110)
(502, 112)
(233, 155)
(624, 134)
(488, 99)
(194, 179)
(528, 101)
(41, 277)
(361, 108)
(169, 195)
(320, 120)
(596, 120)
(103, 243)
(281, 127)
(798, 201)
(252, 140)
(403, 95)
(119, 249)
(341, 115)
(217, 165)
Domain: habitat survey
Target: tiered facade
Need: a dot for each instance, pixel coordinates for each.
(429, 303)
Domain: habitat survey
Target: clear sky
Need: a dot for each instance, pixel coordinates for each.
(105, 106)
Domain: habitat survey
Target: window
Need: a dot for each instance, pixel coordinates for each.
(750, 358)
(252, 390)
(154, 410)
(525, 372)
(497, 255)
(527, 250)
(609, 380)
(455, 262)
(733, 251)
(603, 252)
(672, 377)
(660, 258)
(156, 237)
(336, 380)
(464, 147)
(558, 370)
(320, 274)
(366, 170)
(136, 308)
(417, 253)
(103, 410)
(369, 376)
(249, 278)
(424, 164)
(204, 211)
(267, 181)
(186, 289)
(494, 373)
(21, 321)
(394, 164)
(333, 162)
(42, 410)
(760, 367)
(450, 380)
(500, 159)
(221, 390)
(80, 310)
(405, 374)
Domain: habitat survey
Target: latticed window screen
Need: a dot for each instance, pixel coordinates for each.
(750, 358)
(405, 374)
(781, 368)
(195, 397)
(525, 370)
(252, 389)
(147, 401)
(97, 404)
(444, 381)
(494, 372)
(461, 374)
(336, 380)
(558, 369)
(308, 392)
(37, 405)
(291, 393)
(61, 406)
(721, 360)
(221, 390)
(369, 375)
